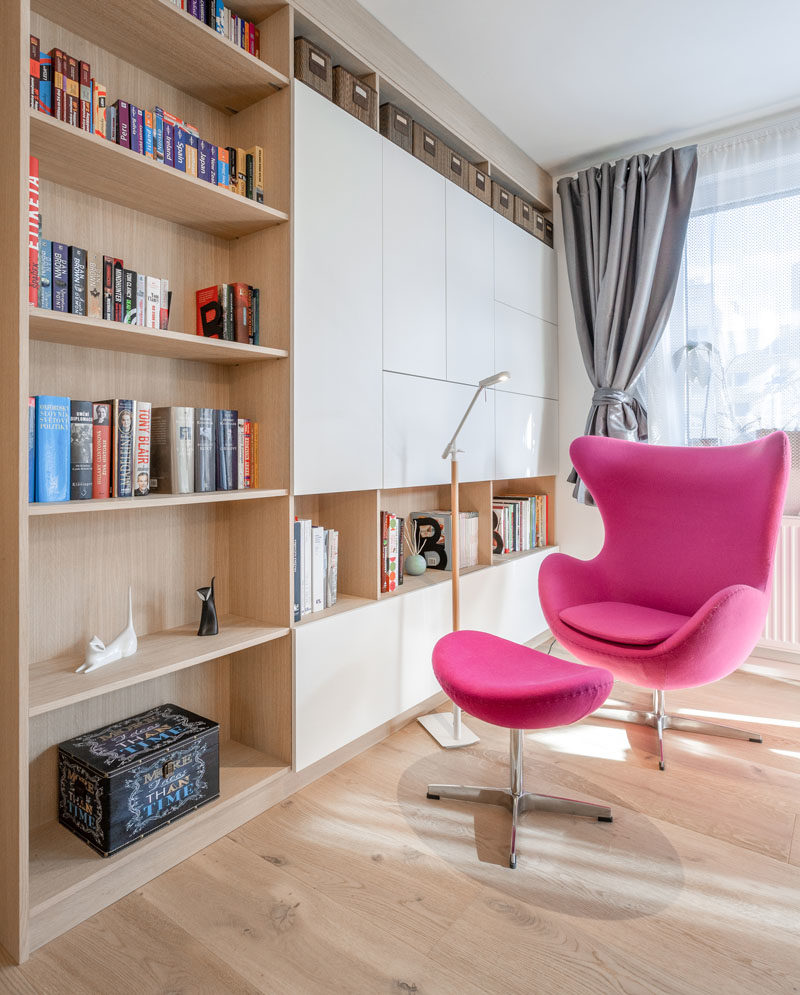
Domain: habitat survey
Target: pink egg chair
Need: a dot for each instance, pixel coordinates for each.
(678, 595)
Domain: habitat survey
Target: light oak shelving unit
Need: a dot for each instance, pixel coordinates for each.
(67, 567)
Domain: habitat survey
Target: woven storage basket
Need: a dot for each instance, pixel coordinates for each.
(538, 225)
(502, 201)
(524, 215)
(456, 168)
(397, 126)
(479, 184)
(548, 232)
(312, 65)
(428, 148)
(355, 97)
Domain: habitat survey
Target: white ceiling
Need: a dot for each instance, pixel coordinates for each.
(570, 81)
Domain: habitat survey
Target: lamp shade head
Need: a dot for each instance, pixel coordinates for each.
(495, 379)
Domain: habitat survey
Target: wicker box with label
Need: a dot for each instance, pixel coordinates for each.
(397, 126)
(479, 184)
(127, 780)
(429, 148)
(525, 216)
(313, 66)
(548, 232)
(355, 97)
(502, 201)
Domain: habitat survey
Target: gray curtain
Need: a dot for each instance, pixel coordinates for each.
(624, 231)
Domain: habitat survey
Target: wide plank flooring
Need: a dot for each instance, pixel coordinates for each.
(358, 883)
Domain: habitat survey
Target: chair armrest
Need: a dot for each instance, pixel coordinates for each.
(565, 581)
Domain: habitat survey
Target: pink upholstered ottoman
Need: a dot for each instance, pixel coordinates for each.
(519, 688)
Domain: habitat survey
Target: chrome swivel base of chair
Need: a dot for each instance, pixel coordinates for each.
(660, 720)
(515, 799)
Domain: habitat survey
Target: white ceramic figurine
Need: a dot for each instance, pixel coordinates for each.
(98, 654)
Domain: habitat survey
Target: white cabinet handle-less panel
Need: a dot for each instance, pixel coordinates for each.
(524, 271)
(419, 418)
(528, 348)
(414, 335)
(337, 299)
(470, 287)
(527, 436)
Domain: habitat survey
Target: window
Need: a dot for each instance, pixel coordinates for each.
(728, 366)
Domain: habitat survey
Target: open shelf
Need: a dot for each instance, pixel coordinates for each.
(96, 166)
(429, 579)
(498, 559)
(171, 45)
(344, 603)
(96, 333)
(54, 683)
(66, 875)
(37, 509)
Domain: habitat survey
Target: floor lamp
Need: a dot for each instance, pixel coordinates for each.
(447, 729)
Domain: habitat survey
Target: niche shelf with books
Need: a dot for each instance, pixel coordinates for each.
(150, 502)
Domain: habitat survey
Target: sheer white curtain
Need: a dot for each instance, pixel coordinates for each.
(728, 366)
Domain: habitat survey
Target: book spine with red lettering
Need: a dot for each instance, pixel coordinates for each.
(101, 449)
(34, 73)
(33, 231)
(58, 68)
(85, 96)
(108, 288)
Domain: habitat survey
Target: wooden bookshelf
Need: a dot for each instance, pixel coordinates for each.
(150, 502)
(93, 165)
(114, 336)
(54, 683)
(173, 46)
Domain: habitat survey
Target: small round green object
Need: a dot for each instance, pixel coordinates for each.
(416, 565)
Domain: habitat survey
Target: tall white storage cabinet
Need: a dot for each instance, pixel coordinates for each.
(414, 335)
(337, 299)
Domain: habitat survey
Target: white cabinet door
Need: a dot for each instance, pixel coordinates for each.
(414, 335)
(355, 671)
(337, 299)
(419, 418)
(524, 271)
(528, 348)
(470, 287)
(527, 436)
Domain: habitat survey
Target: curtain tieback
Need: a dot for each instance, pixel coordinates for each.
(607, 395)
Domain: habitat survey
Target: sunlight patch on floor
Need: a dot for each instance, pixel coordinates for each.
(603, 742)
(703, 713)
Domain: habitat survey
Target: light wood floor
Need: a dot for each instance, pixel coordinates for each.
(360, 884)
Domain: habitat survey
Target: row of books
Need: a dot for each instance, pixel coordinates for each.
(392, 528)
(78, 450)
(315, 567)
(214, 14)
(63, 87)
(519, 523)
(229, 311)
(433, 532)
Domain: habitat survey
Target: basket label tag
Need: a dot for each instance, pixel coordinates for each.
(360, 96)
(317, 65)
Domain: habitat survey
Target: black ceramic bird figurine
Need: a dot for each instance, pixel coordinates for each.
(208, 619)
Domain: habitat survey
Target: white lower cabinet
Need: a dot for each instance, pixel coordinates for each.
(526, 430)
(360, 669)
(419, 418)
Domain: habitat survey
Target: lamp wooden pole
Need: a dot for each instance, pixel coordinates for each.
(456, 565)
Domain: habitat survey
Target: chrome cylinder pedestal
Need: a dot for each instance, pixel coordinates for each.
(660, 719)
(516, 799)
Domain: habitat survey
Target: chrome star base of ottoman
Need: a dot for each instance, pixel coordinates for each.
(516, 800)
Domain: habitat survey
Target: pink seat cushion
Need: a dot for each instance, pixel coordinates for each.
(513, 686)
(620, 622)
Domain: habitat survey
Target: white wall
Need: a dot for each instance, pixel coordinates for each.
(579, 528)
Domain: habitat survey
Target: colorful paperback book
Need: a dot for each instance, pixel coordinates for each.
(85, 96)
(108, 288)
(158, 134)
(169, 144)
(129, 285)
(223, 169)
(52, 448)
(208, 313)
(45, 273)
(34, 73)
(80, 452)
(163, 305)
(99, 97)
(60, 277)
(141, 299)
(45, 84)
(240, 453)
(149, 143)
(31, 448)
(122, 114)
(94, 285)
(205, 471)
(141, 449)
(34, 228)
(226, 432)
(119, 289)
(77, 280)
(101, 449)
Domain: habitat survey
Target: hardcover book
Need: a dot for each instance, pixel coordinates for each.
(94, 285)
(101, 449)
(257, 152)
(305, 576)
(256, 306)
(52, 448)
(60, 277)
(31, 448)
(73, 92)
(77, 280)
(122, 466)
(45, 273)
(80, 451)
(317, 568)
(333, 568)
(119, 289)
(163, 305)
(205, 471)
(85, 96)
(209, 313)
(129, 285)
(297, 547)
(241, 300)
(108, 288)
(241, 172)
(246, 443)
(141, 299)
(153, 302)
(249, 190)
(34, 225)
(58, 69)
(172, 451)
(240, 453)
(226, 424)
(141, 449)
